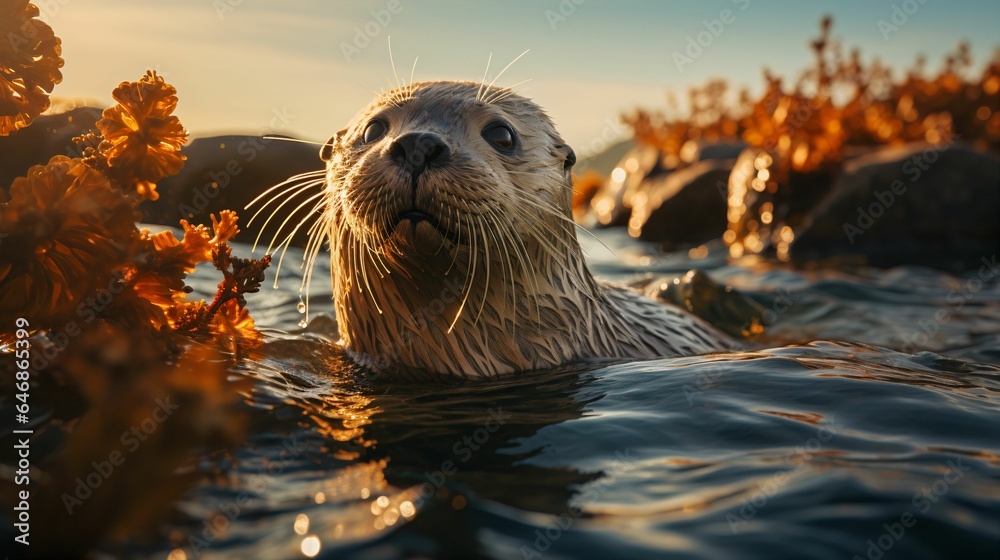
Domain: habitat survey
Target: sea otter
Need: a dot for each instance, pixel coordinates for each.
(446, 206)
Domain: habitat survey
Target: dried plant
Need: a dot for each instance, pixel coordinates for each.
(30, 59)
(840, 101)
(113, 328)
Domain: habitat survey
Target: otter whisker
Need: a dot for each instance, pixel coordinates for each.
(317, 234)
(287, 218)
(506, 92)
(292, 179)
(290, 193)
(486, 286)
(312, 253)
(458, 243)
(470, 277)
(392, 62)
(542, 239)
(479, 94)
(287, 241)
(550, 210)
(375, 94)
(389, 96)
(559, 214)
(444, 239)
(299, 190)
(297, 140)
(409, 88)
(507, 268)
(364, 273)
(380, 219)
(521, 252)
(505, 69)
(371, 258)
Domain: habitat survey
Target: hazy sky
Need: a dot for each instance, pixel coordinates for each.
(238, 63)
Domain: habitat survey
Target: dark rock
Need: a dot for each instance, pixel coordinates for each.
(702, 150)
(722, 306)
(47, 136)
(768, 205)
(227, 172)
(611, 203)
(241, 166)
(685, 207)
(917, 204)
(606, 160)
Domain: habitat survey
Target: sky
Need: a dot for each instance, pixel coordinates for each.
(305, 67)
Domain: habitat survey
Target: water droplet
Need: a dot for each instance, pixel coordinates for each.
(301, 307)
(303, 324)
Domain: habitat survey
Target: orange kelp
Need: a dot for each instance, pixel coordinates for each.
(96, 311)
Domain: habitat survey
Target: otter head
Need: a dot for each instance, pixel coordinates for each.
(448, 215)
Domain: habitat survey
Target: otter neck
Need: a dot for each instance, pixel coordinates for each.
(446, 314)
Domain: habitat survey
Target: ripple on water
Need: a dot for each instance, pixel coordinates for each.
(820, 450)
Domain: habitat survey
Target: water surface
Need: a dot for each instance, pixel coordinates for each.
(882, 445)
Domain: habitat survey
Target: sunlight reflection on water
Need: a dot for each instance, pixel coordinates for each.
(797, 451)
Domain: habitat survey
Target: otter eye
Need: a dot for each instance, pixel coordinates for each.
(374, 131)
(500, 136)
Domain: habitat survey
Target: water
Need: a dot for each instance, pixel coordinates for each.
(786, 450)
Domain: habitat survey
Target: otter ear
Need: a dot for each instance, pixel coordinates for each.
(326, 152)
(568, 156)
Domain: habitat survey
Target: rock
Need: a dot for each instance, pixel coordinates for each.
(685, 207)
(242, 166)
(47, 136)
(604, 161)
(916, 204)
(227, 172)
(610, 204)
(723, 307)
(702, 150)
(767, 205)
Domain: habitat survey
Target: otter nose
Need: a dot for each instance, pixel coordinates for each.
(416, 151)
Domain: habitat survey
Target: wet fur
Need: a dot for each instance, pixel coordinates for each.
(502, 285)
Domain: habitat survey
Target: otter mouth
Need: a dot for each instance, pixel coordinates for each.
(415, 217)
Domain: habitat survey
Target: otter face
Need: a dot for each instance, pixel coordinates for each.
(433, 165)
(447, 209)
